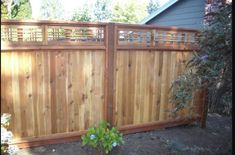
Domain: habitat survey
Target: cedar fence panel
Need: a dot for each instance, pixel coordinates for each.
(60, 78)
(49, 92)
(143, 80)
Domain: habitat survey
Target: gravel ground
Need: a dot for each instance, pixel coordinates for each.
(215, 139)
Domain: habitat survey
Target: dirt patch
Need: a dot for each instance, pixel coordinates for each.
(189, 139)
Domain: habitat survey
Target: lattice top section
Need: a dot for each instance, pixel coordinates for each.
(81, 35)
(157, 38)
(13, 34)
(74, 35)
(49, 34)
(134, 37)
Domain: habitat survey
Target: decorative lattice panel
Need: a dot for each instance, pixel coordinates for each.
(51, 35)
(82, 35)
(134, 37)
(157, 38)
(15, 34)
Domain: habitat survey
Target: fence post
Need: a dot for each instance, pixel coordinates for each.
(153, 38)
(110, 43)
(45, 35)
(204, 108)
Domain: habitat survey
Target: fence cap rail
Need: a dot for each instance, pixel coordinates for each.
(50, 22)
(76, 23)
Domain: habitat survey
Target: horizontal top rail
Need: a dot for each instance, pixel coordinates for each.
(49, 22)
(78, 23)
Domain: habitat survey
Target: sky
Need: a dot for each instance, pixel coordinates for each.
(70, 5)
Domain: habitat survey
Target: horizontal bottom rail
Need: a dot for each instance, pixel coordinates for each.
(49, 139)
(128, 129)
(74, 136)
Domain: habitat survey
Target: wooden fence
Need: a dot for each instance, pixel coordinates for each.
(59, 78)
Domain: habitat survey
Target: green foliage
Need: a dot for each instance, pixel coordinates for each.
(182, 89)
(4, 12)
(22, 11)
(51, 9)
(102, 10)
(82, 14)
(211, 67)
(109, 10)
(124, 14)
(128, 12)
(18, 9)
(152, 6)
(102, 137)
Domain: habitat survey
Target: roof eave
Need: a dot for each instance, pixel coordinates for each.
(158, 11)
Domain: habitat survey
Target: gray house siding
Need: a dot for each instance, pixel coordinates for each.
(185, 13)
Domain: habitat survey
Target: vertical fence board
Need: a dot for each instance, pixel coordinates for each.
(136, 99)
(34, 93)
(53, 92)
(75, 101)
(16, 95)
(157, 90)
(171, 79)
(125, 85)
(163, 98)
(119, 85)
(22, 87)
(131, 81)
(142, 84)
(70, 96)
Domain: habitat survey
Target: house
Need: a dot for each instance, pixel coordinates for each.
(179, 13)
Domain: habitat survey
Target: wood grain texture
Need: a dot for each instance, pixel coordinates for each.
(50, 92)
(142, 84)
(63, 92)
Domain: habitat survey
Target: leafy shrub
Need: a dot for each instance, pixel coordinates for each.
(102, 137)
(6, 136)
(210, 67)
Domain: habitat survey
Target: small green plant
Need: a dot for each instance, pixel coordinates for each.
(103, 137)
